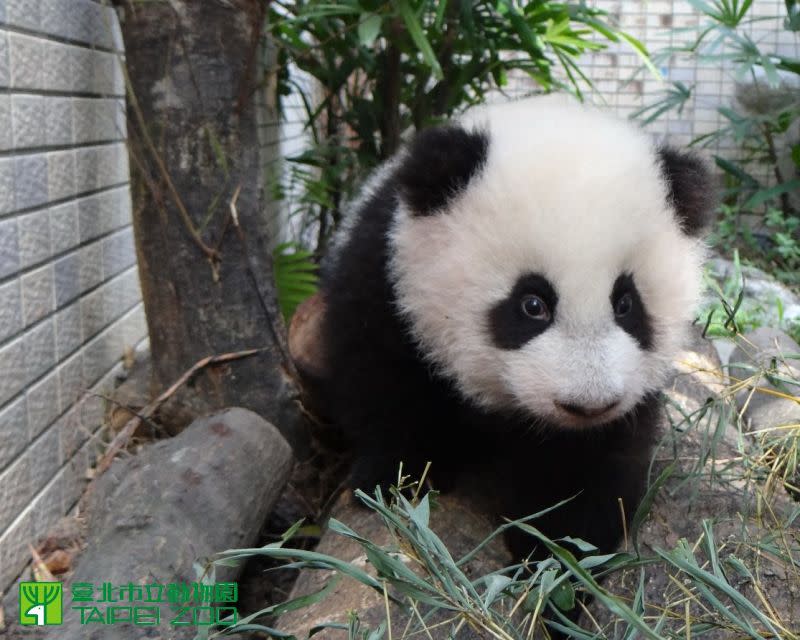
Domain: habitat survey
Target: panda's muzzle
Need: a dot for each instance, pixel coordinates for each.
(584, 411)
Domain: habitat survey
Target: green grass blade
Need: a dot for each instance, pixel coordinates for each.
(612, 603)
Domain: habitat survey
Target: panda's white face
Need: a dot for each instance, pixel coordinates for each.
(558, 281)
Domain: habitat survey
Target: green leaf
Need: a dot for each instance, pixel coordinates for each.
(523, 29)
(765, 195)
(563, 596)
(322, 10)
(510, 525)
(675, 98)
(377, 633)
(792, 22)
(581, 545)
(369, 27)
(788, 64)
(339, 626)
(441, 7)
(682, 558)
(295, 277)
(273, 633)
(638, 605)
(729, 167)
(307, 559)
(590, 562)
(641, 51)
(601, 28)
(418, 36)
(420, 515)
(494, 585)
(307, 600)
(294, 604)
(292, 531)
(611, 602)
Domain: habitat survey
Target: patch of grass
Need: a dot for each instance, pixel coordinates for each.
(730, 313)
(773, 246)
(706, 590)
(775, 451)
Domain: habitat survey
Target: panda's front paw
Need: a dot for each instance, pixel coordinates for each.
(368, 473)
(372, 471)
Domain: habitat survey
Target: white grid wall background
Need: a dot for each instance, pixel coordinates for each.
(70, 301)
(285, 136)
(660, 24)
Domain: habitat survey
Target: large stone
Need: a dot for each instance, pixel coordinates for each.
(769, 366)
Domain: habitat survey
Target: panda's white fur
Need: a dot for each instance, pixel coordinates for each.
(527, 210)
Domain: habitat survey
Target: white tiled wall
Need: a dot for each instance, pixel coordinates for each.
(660, 24)
(69, 290)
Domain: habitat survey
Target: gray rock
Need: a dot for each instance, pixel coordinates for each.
(762, 354)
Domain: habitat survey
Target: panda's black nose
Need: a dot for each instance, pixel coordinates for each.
(585, 411)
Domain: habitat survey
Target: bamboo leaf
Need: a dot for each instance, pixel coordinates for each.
(765, 195)
(641, 51)
(418, 36)
(369, 27)
(612, 603)
(295, 276)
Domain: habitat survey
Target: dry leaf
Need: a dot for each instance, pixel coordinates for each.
(40, 571)
(58, 562)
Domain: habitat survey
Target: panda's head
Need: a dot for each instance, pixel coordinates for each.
(547, 259)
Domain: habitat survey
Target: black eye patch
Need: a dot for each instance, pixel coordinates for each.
(629, 311)
(511, 324)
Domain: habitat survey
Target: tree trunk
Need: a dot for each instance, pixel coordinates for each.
(200, 213)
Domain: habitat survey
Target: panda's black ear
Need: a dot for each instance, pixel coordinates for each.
(692, 191)
(439, 163)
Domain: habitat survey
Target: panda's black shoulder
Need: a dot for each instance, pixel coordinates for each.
(357, 262)
(366, 343)
(364, 334)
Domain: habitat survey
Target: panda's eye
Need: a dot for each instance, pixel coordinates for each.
(534, 307)
(623, 306)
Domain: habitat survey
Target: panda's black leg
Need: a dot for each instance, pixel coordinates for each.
(593, 518)
(373, 469)
(377, 463)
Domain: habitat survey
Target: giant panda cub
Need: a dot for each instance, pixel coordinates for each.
(506, 303)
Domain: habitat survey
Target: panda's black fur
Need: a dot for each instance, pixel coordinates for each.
(396, 406)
